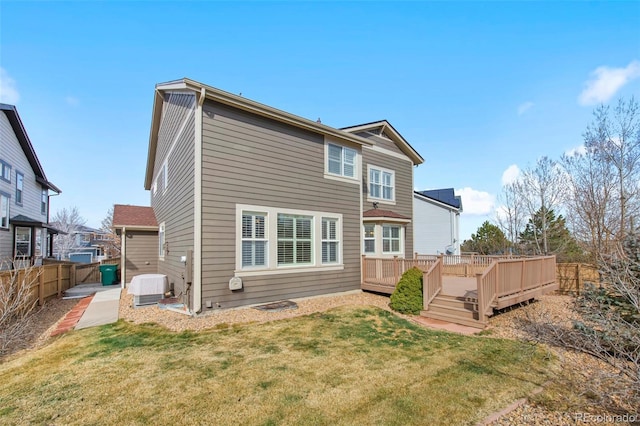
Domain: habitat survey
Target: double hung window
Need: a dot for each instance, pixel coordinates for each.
(390, 238)
(294, 239)
(342, 161)
(381, 184)
(329, 240)
(254, 239)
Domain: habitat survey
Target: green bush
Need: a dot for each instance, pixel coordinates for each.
(407, 297)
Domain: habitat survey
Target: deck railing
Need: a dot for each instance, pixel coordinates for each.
(432, 283)
(507, 282)
(382, 274)
(464, 265)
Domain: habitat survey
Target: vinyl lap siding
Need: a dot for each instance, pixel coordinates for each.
(11, 152)
(174, 206)
(403, 188)
(142, 254)
(381, 142)
(435, 227)
(251, 160)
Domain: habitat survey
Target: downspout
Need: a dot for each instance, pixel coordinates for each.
(123, 257)
(197, 206)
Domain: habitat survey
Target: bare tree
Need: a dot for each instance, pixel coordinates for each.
(113, 242)
(591, 202)
(614, 137)
(542, 189)
(67, 221)
(511, 216)
(16, 303)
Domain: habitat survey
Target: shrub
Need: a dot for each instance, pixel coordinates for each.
(407, 297)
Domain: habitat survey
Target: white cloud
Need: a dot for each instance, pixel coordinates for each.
(578, 150)
(72, 100)
(510, 175)
(476, 202)
(605, 82)
(522, 108)
(8, 90)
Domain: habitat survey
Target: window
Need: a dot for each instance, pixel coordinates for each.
(341, 161)
(5, 171)
(272, 240)
(165, 176)
(4, 211)
(294, 239)
(43, 201)
(329, 240)
(381, 183)
(254, 239)
(86, 238)
(161, 241)
(38, 251)
(23, 241)
(19, 187)
(369, 238)
(390, 239)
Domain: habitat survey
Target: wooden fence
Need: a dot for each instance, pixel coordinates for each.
(54, 277)
(45, 282)
(571, 277)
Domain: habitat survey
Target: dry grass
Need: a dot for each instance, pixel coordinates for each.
(350, 365)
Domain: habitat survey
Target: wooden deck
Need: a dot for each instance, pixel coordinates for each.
(462, 299)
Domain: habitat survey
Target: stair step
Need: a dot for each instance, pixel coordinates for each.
(458, 312)
(455, 303)
(453, 319)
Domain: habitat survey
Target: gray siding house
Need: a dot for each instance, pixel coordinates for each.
(254, 204)
(25, 233)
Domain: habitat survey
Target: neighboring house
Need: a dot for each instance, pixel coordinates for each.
(138, 231)
(85, 244)
(254, 204)
(25, 233)
(436, 221)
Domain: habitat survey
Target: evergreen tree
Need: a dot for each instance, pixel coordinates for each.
(559, 240)
(489, 239)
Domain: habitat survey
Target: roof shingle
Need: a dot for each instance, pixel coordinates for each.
(127, 215)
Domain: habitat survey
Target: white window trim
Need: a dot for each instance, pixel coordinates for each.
(19, 188)
(254, 239)
(165, 176)
(400, 239)
(15, 242)
(378, 239)
(330, 240)
(162, 242)
(365, 238)
(6, 212)
(272, 266)
(357, 168)
(44, 201)
(382, 170)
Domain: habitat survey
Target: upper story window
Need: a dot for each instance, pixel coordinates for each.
(4, 211)
(5, 171)
(342, 161)
(381, 184)
(44, 201)
(19, 187)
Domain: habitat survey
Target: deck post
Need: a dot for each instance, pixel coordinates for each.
(481, 307)
(395, 270)
(364, 271)
(522, 275)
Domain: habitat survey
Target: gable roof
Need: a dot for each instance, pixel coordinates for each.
(21, 134)
(446, 196)
(391, 133)
(134, 217)
(203, 91)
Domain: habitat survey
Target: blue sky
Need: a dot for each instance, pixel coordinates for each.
(478, 88)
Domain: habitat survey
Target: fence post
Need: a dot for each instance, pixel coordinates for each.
(59, 283)
(40, 287)
(415, 255)
(579, 279)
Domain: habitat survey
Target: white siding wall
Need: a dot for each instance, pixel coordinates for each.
(11, 152)
(435, 227)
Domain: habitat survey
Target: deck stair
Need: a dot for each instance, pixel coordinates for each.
(455, 309)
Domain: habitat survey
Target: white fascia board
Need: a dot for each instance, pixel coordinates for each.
(436, 202)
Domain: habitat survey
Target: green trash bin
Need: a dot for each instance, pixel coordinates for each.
(108, 273)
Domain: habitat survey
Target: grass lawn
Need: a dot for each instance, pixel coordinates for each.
(350, 365)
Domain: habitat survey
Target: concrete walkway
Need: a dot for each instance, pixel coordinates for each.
(103, 309)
